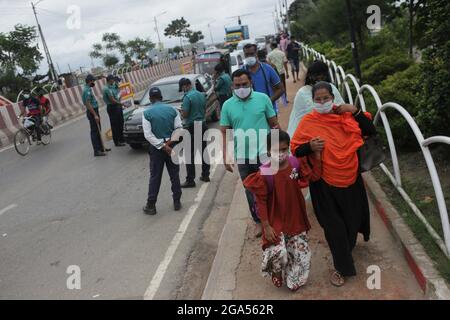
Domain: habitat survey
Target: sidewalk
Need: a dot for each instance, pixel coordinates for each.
(236, 271)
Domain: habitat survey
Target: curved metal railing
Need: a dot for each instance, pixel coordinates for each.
(343, 82)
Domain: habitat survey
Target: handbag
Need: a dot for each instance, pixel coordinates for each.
(371, 154)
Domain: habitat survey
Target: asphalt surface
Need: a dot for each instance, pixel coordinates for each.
(61, 207)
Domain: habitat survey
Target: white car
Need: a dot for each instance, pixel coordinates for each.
(236, 60)
(261, 42)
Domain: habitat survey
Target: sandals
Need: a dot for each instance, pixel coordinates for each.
(337, 279)
(277, 281)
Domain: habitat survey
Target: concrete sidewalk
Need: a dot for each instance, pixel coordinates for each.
(236, 271)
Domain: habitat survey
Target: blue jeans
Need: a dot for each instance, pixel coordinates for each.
(245, 170)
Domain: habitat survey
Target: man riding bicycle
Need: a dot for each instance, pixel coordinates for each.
(33, 106)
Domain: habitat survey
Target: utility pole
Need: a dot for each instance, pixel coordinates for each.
(157, 31)
(288, 22)
(210, 33)
(353, 40)
(51, 68)
(411, 25)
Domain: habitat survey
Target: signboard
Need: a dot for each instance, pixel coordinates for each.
(187, 67)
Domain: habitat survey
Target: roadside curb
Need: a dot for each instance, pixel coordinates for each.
(428, 278)
(222, 277)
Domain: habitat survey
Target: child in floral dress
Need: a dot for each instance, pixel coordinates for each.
(281, 208)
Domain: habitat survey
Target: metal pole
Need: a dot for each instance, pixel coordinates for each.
(210, 33)
(157, 32)
(287, 18)
(52, 71)
(411, 17)
(353, 40)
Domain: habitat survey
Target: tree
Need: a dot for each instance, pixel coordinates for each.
(434, 116)
(110, 43)
(19, 51)
(195, 37)
(110, 60)
(177, 49)
(139, 48)
(178, 28)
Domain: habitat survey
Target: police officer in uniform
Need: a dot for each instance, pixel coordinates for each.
(159, 122)
(193, 111)
(93, 116)
(115, 110)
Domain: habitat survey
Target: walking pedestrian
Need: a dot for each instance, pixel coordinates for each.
(159, 122)
(339, 198)
(293, 55)
(91, 104)
(115, 110)
(194, 116)
(264, 77)
(251, 113)
(303, 102)
(282, 210)
(279, 60)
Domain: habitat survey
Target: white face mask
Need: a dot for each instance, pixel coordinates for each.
(26, 96)
(250, 61)
(324, 107)
(279, 157)
(243, 93)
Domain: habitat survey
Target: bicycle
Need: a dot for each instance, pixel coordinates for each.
(26, 135)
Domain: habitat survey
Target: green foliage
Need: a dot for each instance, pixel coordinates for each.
(178, 28)
(434, 116)
(195, 37)
(19, 51)
(110, 61)
(378, 68)
(404, 88)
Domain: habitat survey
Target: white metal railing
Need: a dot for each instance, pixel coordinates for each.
(343, 81)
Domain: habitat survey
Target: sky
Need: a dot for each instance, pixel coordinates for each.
(128, 18)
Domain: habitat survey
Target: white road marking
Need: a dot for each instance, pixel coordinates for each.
(7, 209)
(162, 268)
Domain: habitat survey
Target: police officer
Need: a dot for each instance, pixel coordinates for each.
(93, 116)
(115, 110)
(159, 122)
(222, 84)
(193, 111)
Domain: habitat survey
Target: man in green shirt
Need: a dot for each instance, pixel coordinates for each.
(93, 116)
(250, 115)
(115, 110)
(223, 84)
(193, 112)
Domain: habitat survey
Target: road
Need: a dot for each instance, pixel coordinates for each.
(61, 207)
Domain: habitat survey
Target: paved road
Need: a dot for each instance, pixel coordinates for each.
(60, 206)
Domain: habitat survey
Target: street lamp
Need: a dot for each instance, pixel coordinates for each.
(156, 28)
(210, 33)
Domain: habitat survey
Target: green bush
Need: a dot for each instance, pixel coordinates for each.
(405, 89)
(378, 68)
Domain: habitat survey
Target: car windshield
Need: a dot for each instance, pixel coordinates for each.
(169, 93)
(233, 61)
(206, 67)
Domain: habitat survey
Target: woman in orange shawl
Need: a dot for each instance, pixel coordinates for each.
(339, 198)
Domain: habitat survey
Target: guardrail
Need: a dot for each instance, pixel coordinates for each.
(343, 81)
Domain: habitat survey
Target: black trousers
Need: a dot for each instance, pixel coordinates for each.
(95, 134)
(159, 158)
(342, 213)
(115, 114)
(190, 168)
(37, 125)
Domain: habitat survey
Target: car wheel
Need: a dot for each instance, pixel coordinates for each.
(135, 146)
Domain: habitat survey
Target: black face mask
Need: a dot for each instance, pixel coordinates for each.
(92, 85)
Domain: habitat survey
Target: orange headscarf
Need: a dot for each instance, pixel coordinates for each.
(342, 137)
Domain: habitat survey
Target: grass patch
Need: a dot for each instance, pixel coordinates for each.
(417, 183)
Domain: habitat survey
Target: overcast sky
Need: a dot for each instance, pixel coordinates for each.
(129, 18)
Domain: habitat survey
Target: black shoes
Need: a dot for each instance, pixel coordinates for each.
(150, 209)
(177, 205)
(205, 179)
(99, 154)
(188, 184)
(121, 144)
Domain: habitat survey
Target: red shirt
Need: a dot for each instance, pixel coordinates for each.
(45, 103)
(284, 208)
